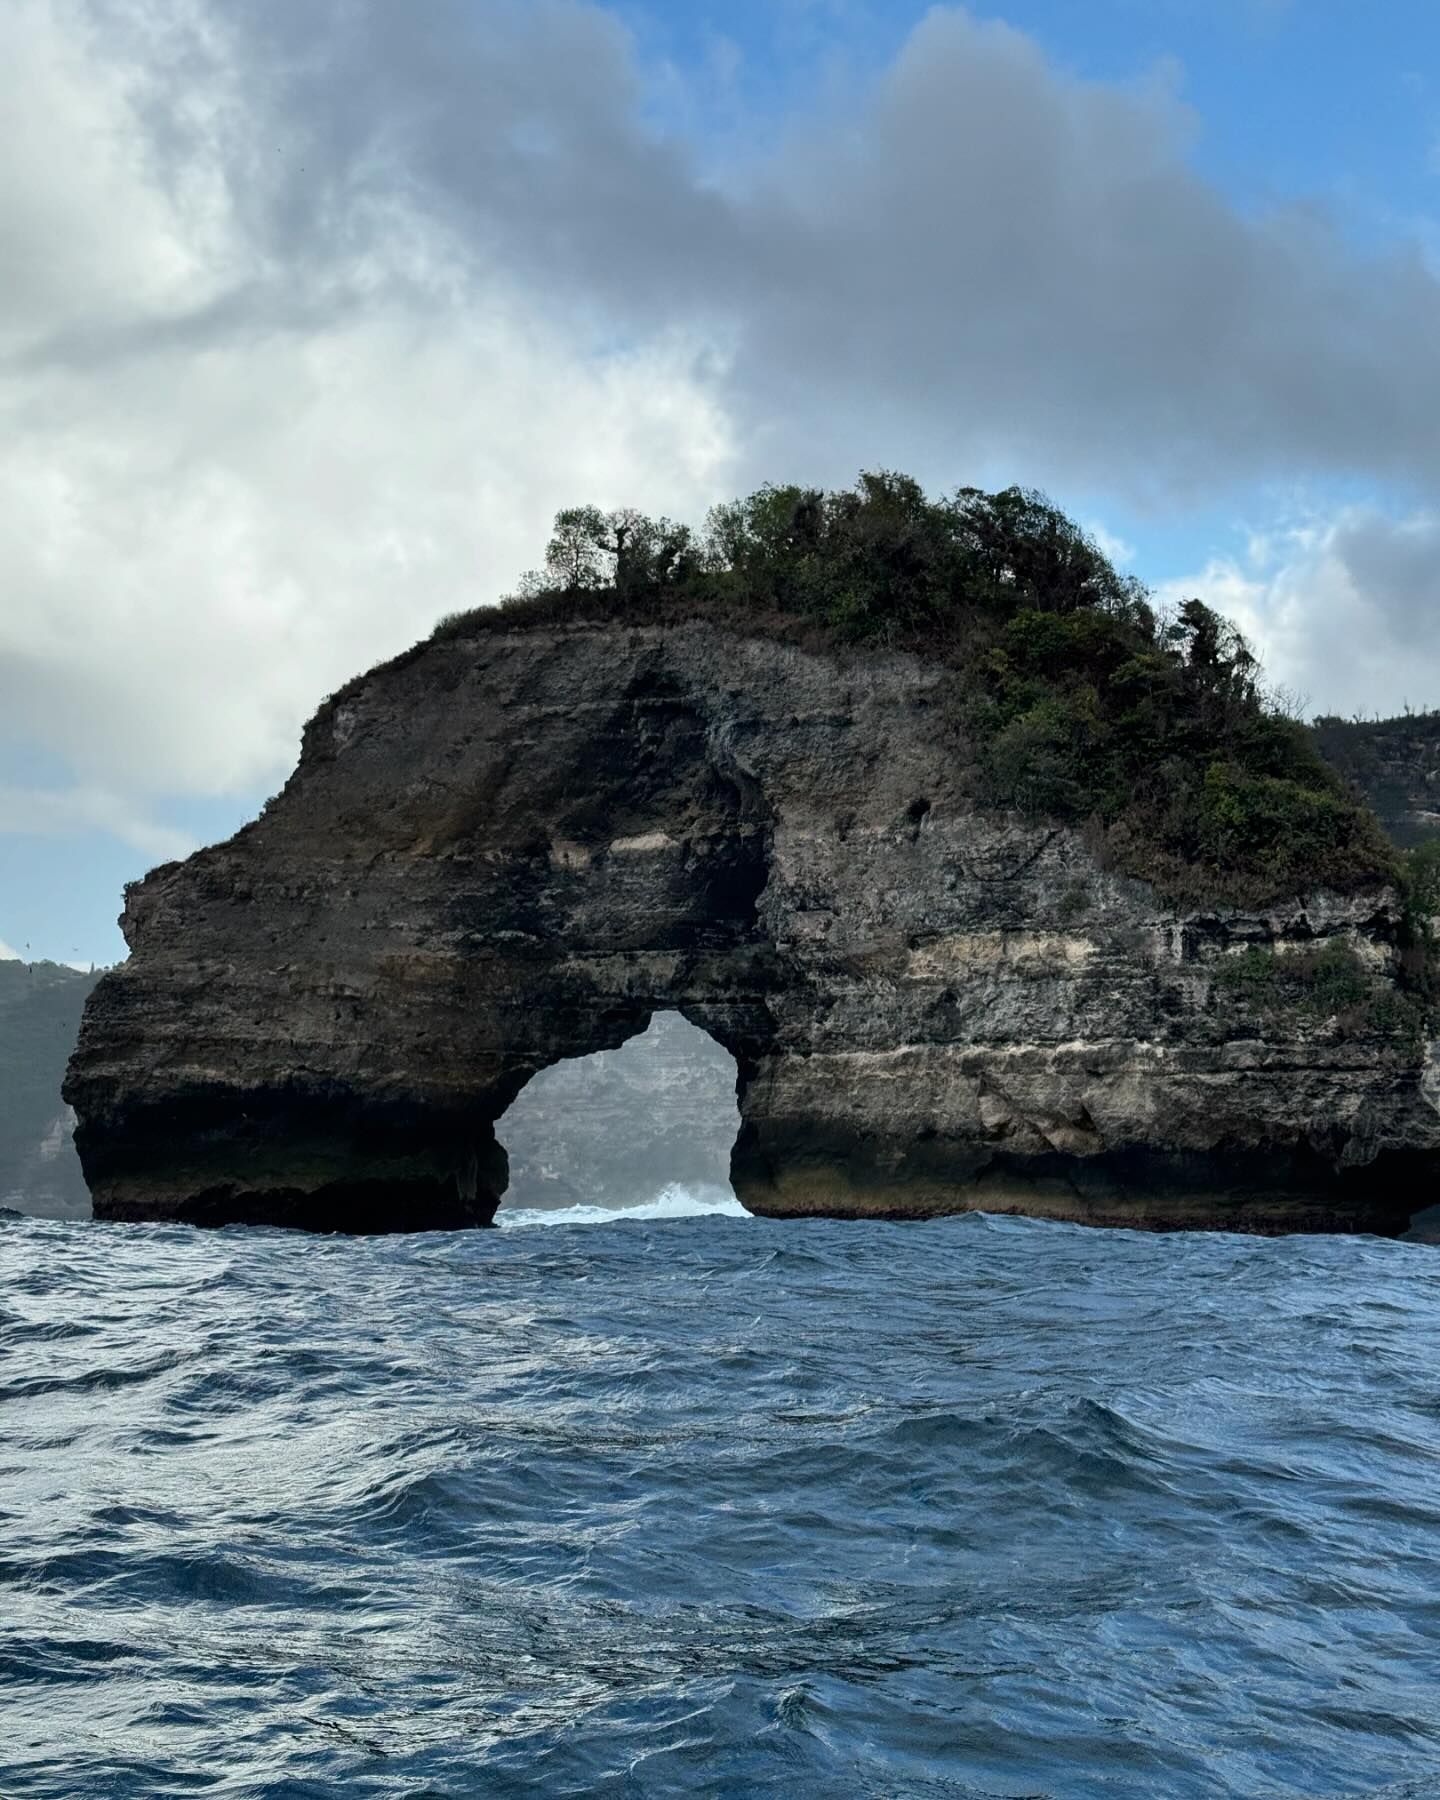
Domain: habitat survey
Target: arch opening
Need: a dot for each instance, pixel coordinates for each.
(647, 1127)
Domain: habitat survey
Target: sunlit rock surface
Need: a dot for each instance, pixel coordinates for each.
(517, 846)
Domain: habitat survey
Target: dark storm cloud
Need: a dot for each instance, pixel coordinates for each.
(1396, 565)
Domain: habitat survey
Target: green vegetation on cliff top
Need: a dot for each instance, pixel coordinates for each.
(1078, 701)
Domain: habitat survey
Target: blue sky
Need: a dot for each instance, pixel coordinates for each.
(324, 311)
(1320, 99)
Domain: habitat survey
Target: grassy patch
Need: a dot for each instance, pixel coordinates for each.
(1331, 981)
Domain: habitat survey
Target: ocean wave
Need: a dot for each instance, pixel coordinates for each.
(714, 1504)
(675, 1202)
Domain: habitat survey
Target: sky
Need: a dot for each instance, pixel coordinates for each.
(314, 315)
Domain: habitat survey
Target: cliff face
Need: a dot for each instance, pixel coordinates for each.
(1396, 765)
(516, 846)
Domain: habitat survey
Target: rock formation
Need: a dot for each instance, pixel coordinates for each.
(515, 845)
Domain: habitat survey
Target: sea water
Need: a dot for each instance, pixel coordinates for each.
(694, 1503)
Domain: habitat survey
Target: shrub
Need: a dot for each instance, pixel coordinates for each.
(1330, 982)
(1265, 980)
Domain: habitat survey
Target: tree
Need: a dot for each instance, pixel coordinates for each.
(1215, 651)
(573, 557)
(622, 549)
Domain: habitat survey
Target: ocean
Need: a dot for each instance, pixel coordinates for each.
(685, 1502)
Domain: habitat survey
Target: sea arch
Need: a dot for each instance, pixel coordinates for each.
(514, 844)
(654, 1121)
(436, 932)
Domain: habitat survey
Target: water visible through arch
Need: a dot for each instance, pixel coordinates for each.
(646, 1128)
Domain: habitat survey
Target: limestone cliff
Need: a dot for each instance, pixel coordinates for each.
(516, 845)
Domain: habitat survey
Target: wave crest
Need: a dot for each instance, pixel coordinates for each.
(674, 1202)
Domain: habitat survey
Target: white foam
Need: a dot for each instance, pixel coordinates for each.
(675, 1202)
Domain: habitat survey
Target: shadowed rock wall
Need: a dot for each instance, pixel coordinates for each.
(516, 847)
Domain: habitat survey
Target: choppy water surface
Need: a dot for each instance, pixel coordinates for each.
(711, 1505)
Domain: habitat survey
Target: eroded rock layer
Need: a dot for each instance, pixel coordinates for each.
(516, 846)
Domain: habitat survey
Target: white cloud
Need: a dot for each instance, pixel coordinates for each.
(1343, 610)
(1115, 547)
(195, 561)
(229, 485)
(7, 954)
(317, 313)
(86, 227)
(67, 812)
